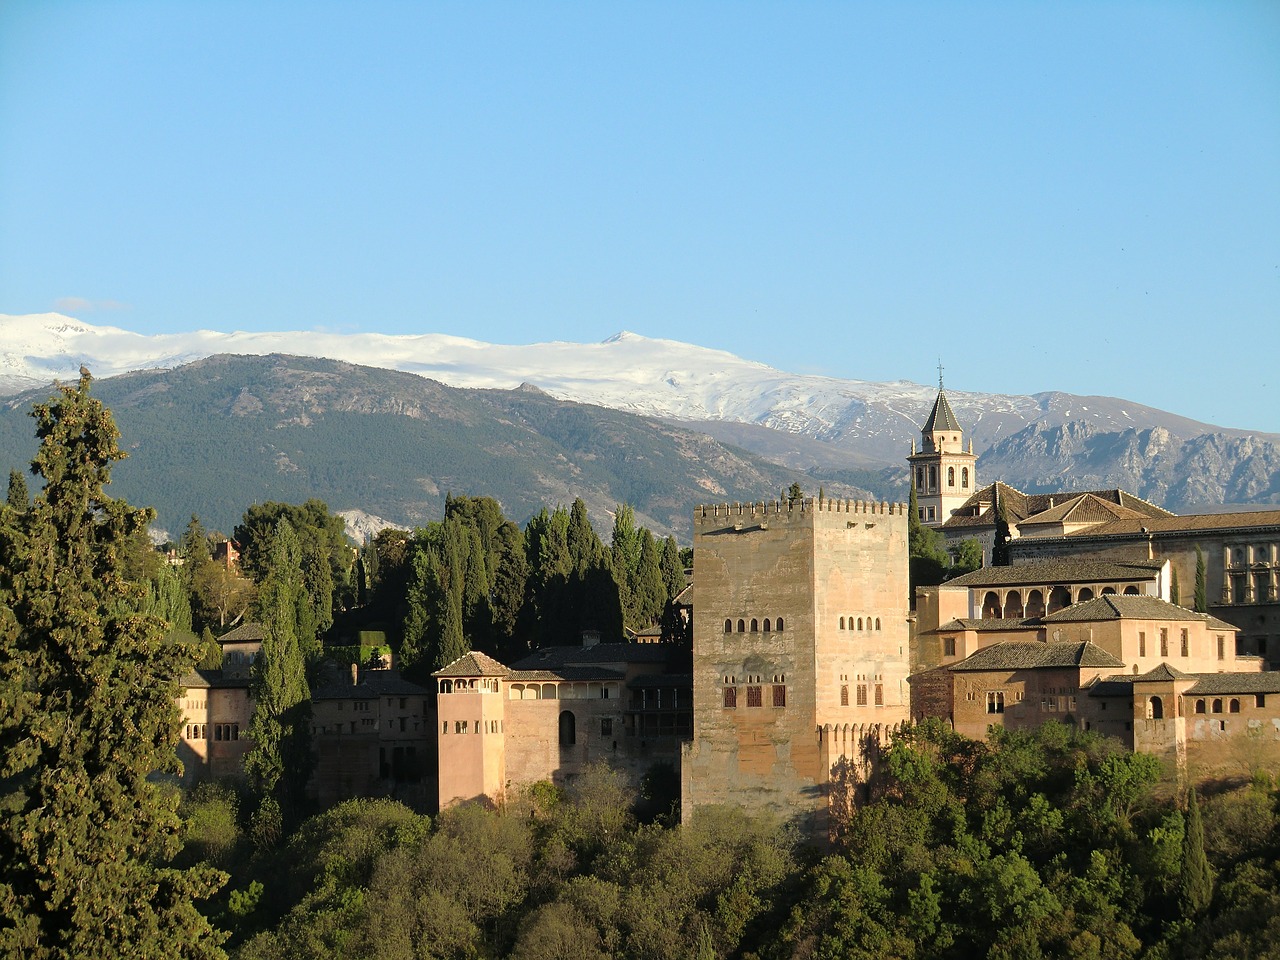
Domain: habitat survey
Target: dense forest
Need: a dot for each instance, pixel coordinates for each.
(1056, 844)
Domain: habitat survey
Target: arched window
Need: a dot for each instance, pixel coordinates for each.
(1035, 604)
(742, 626)
(951, 476)
(859, 623)
(1085, 594)
(728, 626)
(1131, 591)
(779, 624)
(877, 623)
(766, 624)
(1200, 706)
(1233, 706)
(1155, 709)
(568, 729)
(1059, 597)
(1108, 591)
(964, 477)
(1217, 706)
(991, 606)
(755, 625)
(1013, 604)
(842, 623)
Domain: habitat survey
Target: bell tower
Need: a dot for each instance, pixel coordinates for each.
(943, 472)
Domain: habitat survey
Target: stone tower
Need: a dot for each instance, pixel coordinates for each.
(944, 472)
(800, 650)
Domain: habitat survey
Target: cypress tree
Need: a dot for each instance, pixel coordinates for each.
(1175, 592)
(1195, 885)
(1201, 601)
(672, 569)
(19, 499)
(1000, 547)
(88, 714)
(279, 763)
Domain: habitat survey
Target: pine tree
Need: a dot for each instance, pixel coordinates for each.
(279, 763)
(88, 714)
(19, 498)
(1201, 602)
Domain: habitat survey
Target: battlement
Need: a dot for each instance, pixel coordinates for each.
(790, 509)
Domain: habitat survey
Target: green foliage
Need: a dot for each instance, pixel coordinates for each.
(1195, 886)
(1201, 602)
(279, 763)
(1175, 592)
(87, 717)
(19, 499)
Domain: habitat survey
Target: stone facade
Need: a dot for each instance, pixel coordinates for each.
(555, 712)
(800, 649)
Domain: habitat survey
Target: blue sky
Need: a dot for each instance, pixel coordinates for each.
(1071, 196)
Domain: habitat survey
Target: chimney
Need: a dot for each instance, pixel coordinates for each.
(590, 638)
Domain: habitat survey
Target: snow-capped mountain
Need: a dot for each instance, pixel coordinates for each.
(870, 422)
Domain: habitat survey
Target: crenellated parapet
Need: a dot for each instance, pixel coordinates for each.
(782, 510)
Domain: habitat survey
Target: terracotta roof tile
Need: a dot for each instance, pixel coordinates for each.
(1058, 571)
(1034, 655)
(1117, 607)
(473, 664)
(245, 633)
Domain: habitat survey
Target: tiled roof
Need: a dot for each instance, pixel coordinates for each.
(1086, 508)
(373, 683)
(990, 623)
(1245, 521)
(941, 417)
(1034, 655)
(1058, 571)
(473, 664)
(1211, 684)
(575, 674)
(1117, 607)
(552, 658)
(245, 633)
(1019, 506)
(211, 679)
(1161, 673)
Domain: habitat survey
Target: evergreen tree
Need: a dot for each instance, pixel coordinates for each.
(279, 763)
(19, 499)
(88, 714)
(1000, 546)
(672, 568)
(650, 587)
(624, 554)
(1195, 886)
(1201, 598)
(1175, 592)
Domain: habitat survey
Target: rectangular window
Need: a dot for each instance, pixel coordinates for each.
(862, 694)
(1142, 643)
(995, 701)
(606, 726)
(779, 695)
(879, 694)
(755, 697)
(1164, 642)
(1259, 699)
(730, 698)
(1222, 649)
(948, 646)
(1186, 643)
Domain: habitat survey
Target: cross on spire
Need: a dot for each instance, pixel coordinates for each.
(939, 373)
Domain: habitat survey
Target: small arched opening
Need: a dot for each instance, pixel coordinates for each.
(568, 729)
(991, 606)
(1155, 708)
(1086, 593)
(1035, 604)
(1059, 597)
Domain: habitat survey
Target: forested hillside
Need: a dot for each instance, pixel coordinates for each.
(217, 435)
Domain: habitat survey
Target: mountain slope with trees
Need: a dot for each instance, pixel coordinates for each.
(219, 434)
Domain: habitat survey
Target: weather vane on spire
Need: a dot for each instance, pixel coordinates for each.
(939, 373)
